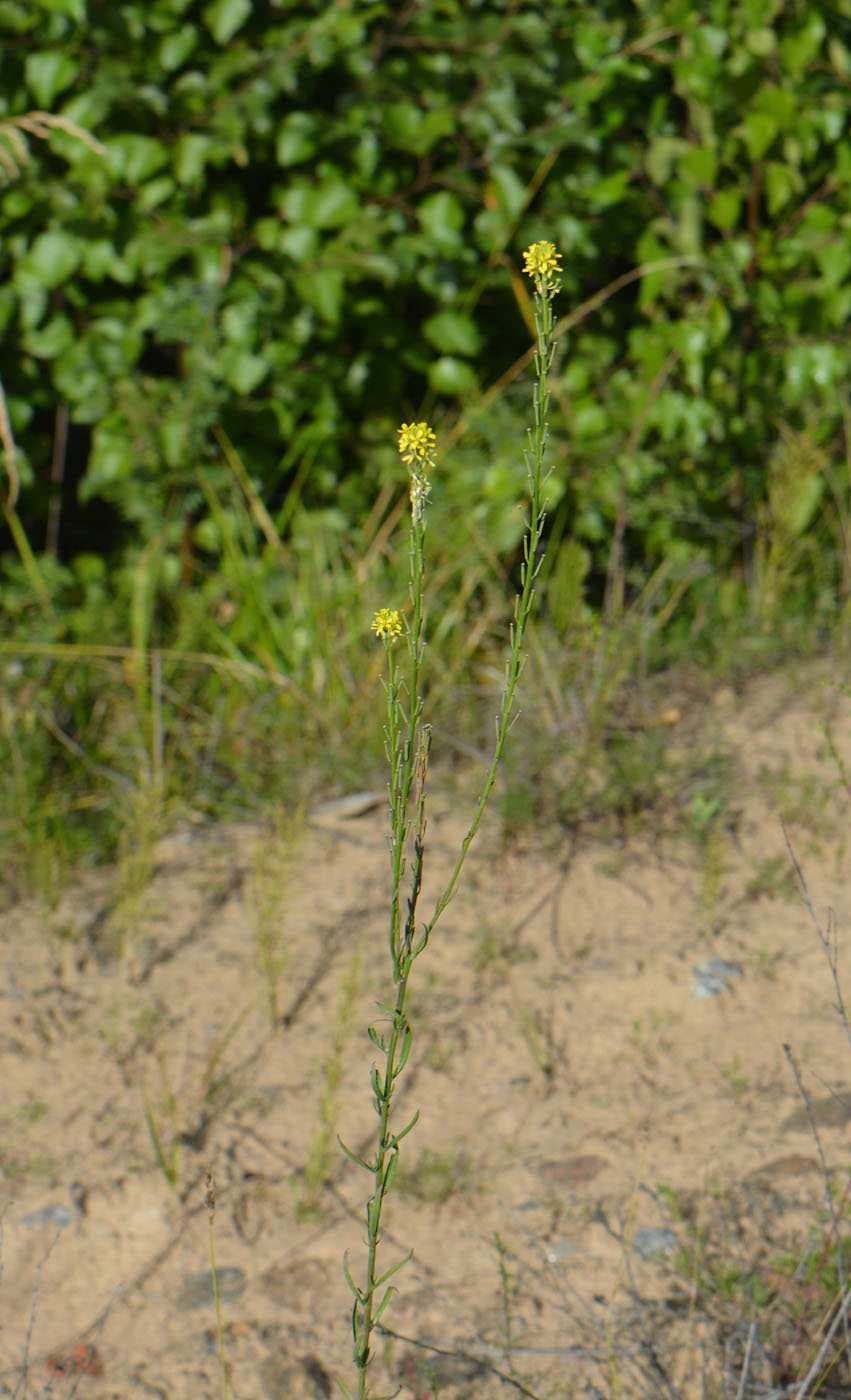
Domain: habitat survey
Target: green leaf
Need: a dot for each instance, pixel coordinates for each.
(795, 505)
(50, 340)
(404, 1052)
(412, 129)
(758, 130)
(110, 461)
(661, 155)
(610, 190)
(74, 9)
(390, 1173)
(99, 259)
(377, 1085)
(155, 192)
(394, 1269)
(48, 73)
(397, 1137)
(346, 1271)
(699, 165)
(173, 434)
(32, 297)
(724, 209)
(224, 17)
(324, 290)
(591, 42)
(239, 322)
(840, 58)
(510, 189)
(189, 155)
(812, 366)
(367, 1166)
(781, 184)
(452, 333)
(244, 371)
(52, 257)
(834, 261)
(589, 419)
(176, 48)
(441, 217)
(135, 158)
(781, 104)
(296, 139)
(383, 1304)
(451, 376)
(299, 243)
(762, 42)
(328, 204)
(85, 387)
(377, 1039)
(799, 48)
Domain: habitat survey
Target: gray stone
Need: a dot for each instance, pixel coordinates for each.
(292, 1378)
(197, 1289)
(59, 1217)
(652, 1241)
(714, 977)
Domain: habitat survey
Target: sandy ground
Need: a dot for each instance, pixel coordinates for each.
(602, 1157)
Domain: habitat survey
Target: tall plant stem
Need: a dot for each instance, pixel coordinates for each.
(407, 742)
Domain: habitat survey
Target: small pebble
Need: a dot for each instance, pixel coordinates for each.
(652, 1241)
(833, 1111)
(354, 804)
(291, 1378)
(714, 977)
(558, 1251)
(572, 1172)
(59, 1216)
(197, 1289)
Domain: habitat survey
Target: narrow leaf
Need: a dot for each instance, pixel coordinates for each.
(353, 1286)
(377, 1039)
(383, 1304)
(397, 1137)
(354, 1156)
(392, 1166)
(394, 1268)
(404, 1051)
(377, 1086)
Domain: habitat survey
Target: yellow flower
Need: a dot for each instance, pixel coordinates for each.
(416, 448)
(416, 444)
(387, 624)
(543, 262)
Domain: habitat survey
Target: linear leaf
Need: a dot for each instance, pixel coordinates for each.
(354, 1156)
(394, 1268)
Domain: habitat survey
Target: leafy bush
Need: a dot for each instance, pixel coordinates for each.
(306, 219)
(306, 225)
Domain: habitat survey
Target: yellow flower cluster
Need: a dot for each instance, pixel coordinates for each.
(416, 448)
(417, 444)
(387, 623)
(543, 262)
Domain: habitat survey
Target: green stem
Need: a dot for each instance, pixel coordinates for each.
(528, 573)
(382, 1169)
(402, 751)
(407, 752)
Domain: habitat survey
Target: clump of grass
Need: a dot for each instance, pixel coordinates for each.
(408, 744)
(436, 1176)
(272, 862)
(164, 1128)
(320, 1154)
(210, 1203)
